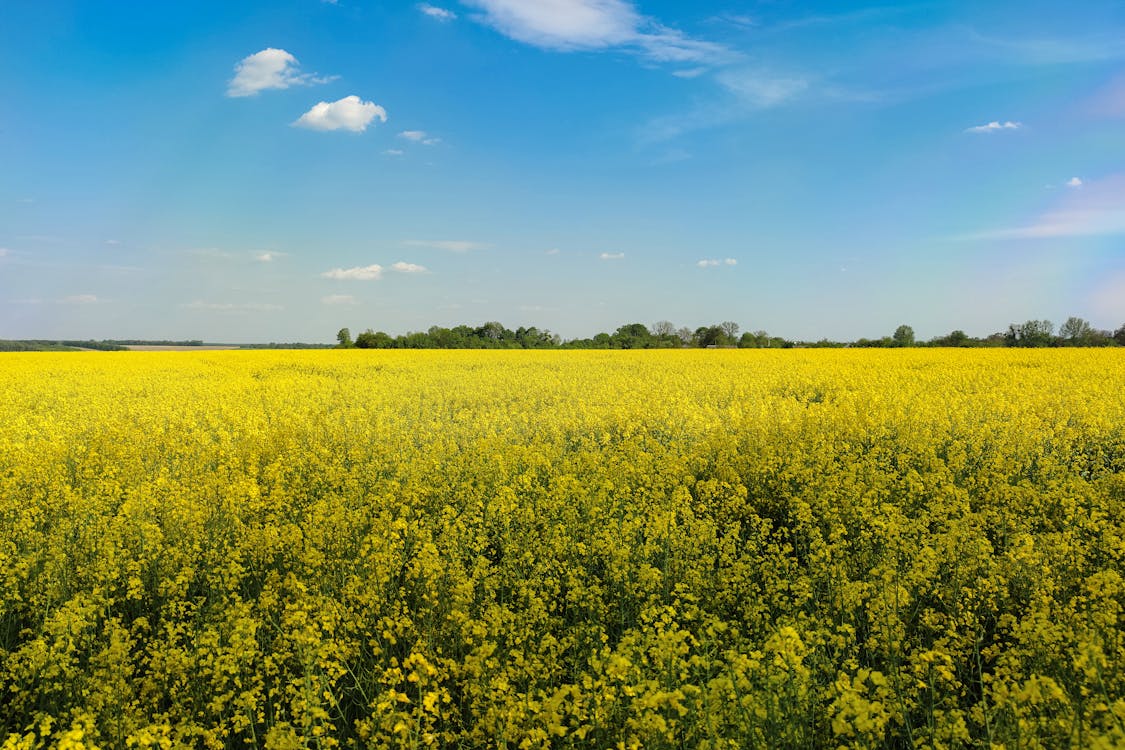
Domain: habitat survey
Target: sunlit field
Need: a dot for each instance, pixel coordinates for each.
(668, 549)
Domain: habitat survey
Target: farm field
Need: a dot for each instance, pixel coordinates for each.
(660, 549)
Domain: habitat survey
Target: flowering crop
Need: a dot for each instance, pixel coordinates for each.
(713, 549)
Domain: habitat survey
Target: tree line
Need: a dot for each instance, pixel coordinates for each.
(665, 335)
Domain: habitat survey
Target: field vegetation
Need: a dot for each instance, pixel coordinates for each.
(650, 549)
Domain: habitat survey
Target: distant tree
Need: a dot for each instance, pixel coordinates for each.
(730, 331)
(632, 336)
(663, 329)
(1030, 334)
(344, 337)
(903, 336)
(956, 338)
(366, 340)
(1119, 335)
(706, 336)
(1077, 332)
(686, 337)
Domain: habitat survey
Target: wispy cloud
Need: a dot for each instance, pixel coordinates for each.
(373, 272)
(350, 113)
(567, 25)
(1098, 209)
(1052, 50)
(611, 256)
(1074, 182)
(552, 251)
(80, 299)
(4, 252)
(715, 262)
(404, 267)
(453, 246)
(419, 136)
(393, 152)
(269, 69)
(440, 14)
(234, 307)
(338, 299)
(994, 127)
(267, 256)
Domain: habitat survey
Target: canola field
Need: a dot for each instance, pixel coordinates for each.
(678, 549)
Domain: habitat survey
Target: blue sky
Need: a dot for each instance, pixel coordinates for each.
(272, 171)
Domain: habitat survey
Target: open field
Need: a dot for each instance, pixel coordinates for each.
(563, 549)
(161, 348)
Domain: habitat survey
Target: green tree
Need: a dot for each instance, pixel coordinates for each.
(344, 336)
(1076, 332)
(903, 336)
(1030, 333)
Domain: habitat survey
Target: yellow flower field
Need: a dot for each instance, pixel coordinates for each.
(688, 549)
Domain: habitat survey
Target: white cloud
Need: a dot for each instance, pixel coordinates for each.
(611, 256)
(404, 267)
(730, 262)
(689, 72)
(232, 306)
(338, 299)
(80, 299)
(715, 262)
(267, 256)
(433, 11)
(553, 251)
(269, 69)
(419, 136)
(373, 272)
(394, 152)
(994, 126)
(568, 25)
(762, 89)
(350, 113)
(113, 242)
(453, 246)
(1074, 182)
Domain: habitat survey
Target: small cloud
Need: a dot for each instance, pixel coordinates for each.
(762, 89)
(113, 242)
(269, 69)
(591, 25)
(994, 127)
(80, 299)
(453, 246)
(689, 72)
(441, 14)
(27, 200)
(419, 136)
(338, 299)
(394, 152)
(1074, 182)
(374, 272)
(404, 267)
(350, 113)
(611, 256)
(265, 257)
(232, 306)
(715, 262)
(4, 252)
(553, 251)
